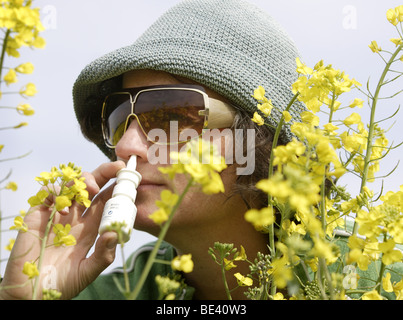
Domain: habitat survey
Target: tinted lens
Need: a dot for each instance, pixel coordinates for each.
(161, 109)
(116, 109)
(155, 109)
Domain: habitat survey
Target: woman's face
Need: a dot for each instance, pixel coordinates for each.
(198, 212)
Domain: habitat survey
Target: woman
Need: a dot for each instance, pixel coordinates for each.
(228, 47)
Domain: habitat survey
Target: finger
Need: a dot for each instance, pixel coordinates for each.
(101, 258)
(92, 186)
(107, 171)
(94, 212)
(96, 180)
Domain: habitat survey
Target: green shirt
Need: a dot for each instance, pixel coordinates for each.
(105, 288)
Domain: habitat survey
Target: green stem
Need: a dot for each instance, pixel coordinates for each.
(272, 244)
(381, 271)
(271, 167)
(372, 122)
(332, 107)
(42, 252)
(4, 107)
(323, 203)
(225, 280)
(125, 274)
(3, 51)
(151, 259)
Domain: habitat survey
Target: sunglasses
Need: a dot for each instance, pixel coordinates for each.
(157, 107)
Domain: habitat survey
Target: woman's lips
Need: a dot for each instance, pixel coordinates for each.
(148, 185)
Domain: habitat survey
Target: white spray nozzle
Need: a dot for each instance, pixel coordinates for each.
(132, 163)
(121, 208)
(128, 179)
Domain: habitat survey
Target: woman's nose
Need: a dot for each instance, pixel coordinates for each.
(133, 142)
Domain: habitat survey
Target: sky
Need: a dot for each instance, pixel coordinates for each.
(78, 32)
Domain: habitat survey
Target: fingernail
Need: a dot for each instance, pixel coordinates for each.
(112, 243)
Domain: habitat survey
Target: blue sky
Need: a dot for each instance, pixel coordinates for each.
(79, 31)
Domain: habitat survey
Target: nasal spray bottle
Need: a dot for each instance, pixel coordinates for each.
(121, 208)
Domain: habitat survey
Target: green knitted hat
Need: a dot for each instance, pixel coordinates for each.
(230, 46)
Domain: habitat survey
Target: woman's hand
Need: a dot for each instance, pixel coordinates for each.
(66, 267)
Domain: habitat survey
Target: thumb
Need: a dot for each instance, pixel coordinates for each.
(102, 257)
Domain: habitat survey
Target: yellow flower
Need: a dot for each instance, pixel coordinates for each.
(63, 236)
(386, 283)
(70, 172)
(369, 222)
(361, 252)
(287, 116)
(259, 93)
(392, 16)
(290, 227)
(397, 41)
(302, 68)
(80, 192)
(330, 128)
(357, 256)
(241, 255)
(202, 162)
(243, 281)
(229, 264)
(26, 68)
(12, 186)
(357, 103)
(39, 43)
(371, 295)
(25, 109)
(168, 200)
(212, 183)
(48, 177)
(62, 202)
(260, 218)
(310, 118)
(165, 205)
(281, 272)
(10, 245)
(29, 90)
(279, 296)
(389, 254)
(38, 199)
(374, 47)
(288, 153)
(325, 250)
(398, 290)
(159, 216)
(10, 77)
(30, 270)
(354, 118)
(399, 13)
(394, 198)
(20, 125)
(257, 118)
(19, 224)
(167, 287)
(265, 108)
(354, 142)
(183, 263)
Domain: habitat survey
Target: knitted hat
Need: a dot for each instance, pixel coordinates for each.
(229, 46)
